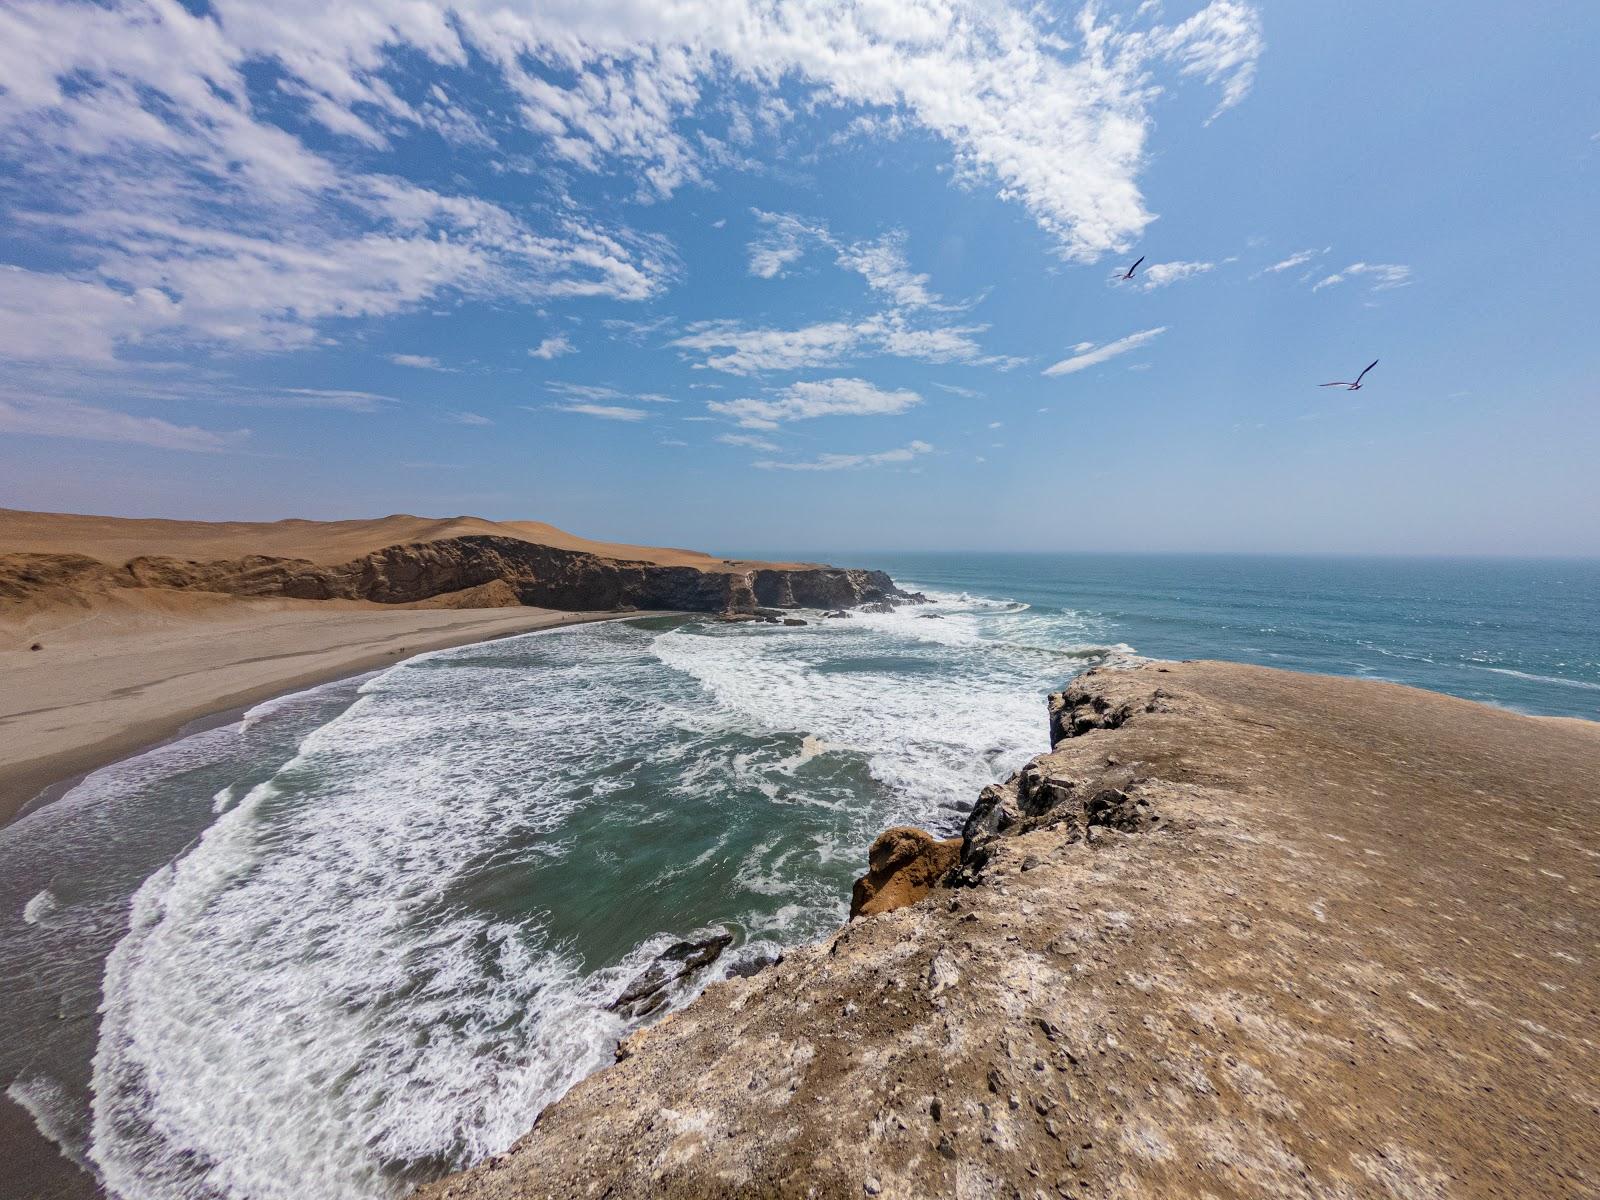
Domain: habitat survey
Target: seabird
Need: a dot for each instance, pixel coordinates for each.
(1132, 269)
(1348, 386)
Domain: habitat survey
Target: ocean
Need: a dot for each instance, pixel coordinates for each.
(361, 935)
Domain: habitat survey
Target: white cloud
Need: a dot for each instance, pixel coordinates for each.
(845, 462)
(344, 399)
(468, 418)
(781, 241)
(817, 398)
(553, 347)
(68, 419)
(583, 391)
(1087, 354)
(749, 441)
(749, 351)
(830, 343)
(883, 264)
(141, 140)
(1383, 276)
(420, 361)
(1158, 275)
(606, 412)
(1298, 259)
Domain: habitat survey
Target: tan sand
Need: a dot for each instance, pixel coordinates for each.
(133, 670)
(115, 540)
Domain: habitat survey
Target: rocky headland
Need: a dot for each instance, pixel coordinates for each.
(1240, 933)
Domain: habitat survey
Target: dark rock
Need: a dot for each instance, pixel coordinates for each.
(877, 606)
(650, 988)
(837, 614)
(37, 646)
(794, 621)
(755, 966)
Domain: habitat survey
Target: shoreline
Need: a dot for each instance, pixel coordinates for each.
(1310, 919)
(148, 710)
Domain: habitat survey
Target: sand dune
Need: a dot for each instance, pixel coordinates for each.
(115, 540)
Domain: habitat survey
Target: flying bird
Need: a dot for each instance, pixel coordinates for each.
(1132, 269)
(1346, 384)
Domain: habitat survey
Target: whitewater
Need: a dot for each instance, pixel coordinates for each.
(403, 904)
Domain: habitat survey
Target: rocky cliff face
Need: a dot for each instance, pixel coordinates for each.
(543, 576)
(1242, 933)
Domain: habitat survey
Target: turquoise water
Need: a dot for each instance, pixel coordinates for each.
(1524, 635)
(363, 934)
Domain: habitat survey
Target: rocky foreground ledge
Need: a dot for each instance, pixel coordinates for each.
(1242, 933)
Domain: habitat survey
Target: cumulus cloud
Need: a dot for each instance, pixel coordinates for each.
(845, 462)
(553, 347)
(1382, 276)
(1087, 354)
(807, 399)
(58, 418)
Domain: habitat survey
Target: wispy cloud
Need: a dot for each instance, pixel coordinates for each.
(749, 441)
(87, 422)
(553, 347)
(1159, 275)
(1298, 259)
(816, 398)
(1087, 354)
(606, 412)
(731, 347)
(781, 240)
(846, 462)
(468, 418)
(422, 362)
(1383, 277)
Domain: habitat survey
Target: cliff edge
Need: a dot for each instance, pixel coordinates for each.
(1240, 933)
(57, 560)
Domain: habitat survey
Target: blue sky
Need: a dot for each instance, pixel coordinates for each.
(811, 276)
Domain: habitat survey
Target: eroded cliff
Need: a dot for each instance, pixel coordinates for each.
(525, 572)
(1240, 933)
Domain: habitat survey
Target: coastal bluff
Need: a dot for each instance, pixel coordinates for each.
(57, 559)
(1240, 933)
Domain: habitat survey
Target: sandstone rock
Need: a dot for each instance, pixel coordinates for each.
(903, 866)
(539, 575)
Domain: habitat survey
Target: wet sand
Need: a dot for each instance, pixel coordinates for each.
(116, 679)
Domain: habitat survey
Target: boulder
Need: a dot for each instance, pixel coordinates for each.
(903, 866)
(650, 989)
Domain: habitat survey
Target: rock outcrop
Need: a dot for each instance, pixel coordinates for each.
(1241, 933)
(539, 575)
(903, 866)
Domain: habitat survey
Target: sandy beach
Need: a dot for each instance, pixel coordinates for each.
(115, 679)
